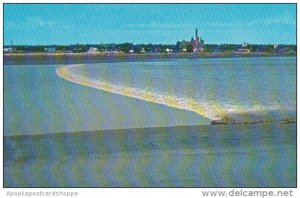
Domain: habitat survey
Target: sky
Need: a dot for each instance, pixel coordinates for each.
(64, 24)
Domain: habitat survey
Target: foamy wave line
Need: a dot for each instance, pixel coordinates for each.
(213, 112)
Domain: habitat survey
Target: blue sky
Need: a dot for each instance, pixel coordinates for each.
(47, 24)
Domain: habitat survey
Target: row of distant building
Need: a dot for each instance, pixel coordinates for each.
(196, 45)
(179, 47)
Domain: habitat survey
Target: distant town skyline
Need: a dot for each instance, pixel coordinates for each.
(65, 24)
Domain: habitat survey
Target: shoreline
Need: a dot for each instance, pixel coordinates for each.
(80, 58)
(187, 54)
(139, 157)
(207, 129)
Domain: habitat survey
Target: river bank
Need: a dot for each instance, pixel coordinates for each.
(81, 58)
(253, 155)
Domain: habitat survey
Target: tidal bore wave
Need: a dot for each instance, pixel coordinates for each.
(212, 112)
(217, 113)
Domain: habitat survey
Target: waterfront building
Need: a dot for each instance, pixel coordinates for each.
(241, 51)
(169, 51)
(8, 49)
(50, 49)
(197, 43)
(92, 50)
